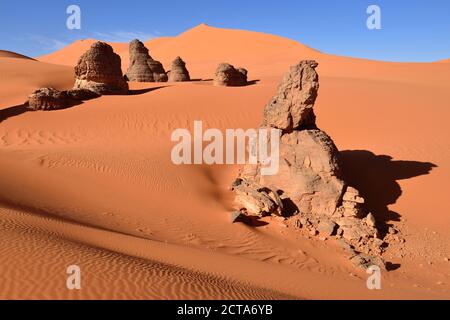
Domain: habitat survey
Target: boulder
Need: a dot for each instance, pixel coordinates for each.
(47, 99)
(226, 75)
(99, 70)
(178, 71)
(142, 67)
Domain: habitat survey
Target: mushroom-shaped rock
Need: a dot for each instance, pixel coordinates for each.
(179, 72)
(99, 70)
(142, 67)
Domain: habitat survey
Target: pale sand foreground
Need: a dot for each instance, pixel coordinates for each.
(94, 185)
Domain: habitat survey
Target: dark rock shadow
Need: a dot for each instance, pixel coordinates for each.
(251, 221)
(196, 80)
(252, 82)
(376, 176)
(392, 266)
(12, 112)
(143, 91)
(20, 109)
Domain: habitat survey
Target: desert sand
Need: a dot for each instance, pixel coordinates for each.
(94, 185)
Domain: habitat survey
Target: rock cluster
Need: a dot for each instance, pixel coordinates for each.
(178, 71)
(99, 70)
(47, 99)
(309, 183)
(142, 67)
(227, 75)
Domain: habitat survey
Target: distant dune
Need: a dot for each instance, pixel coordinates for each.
(94, 184)
(9, 54)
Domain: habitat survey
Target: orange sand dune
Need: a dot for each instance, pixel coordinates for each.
(94, 185)
(9, 54)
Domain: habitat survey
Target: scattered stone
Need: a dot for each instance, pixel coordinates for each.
(446, 259)
(235, 216)
(364, 261)
(143, 68)
(392, 230)
(99, 70)
(255, 202)
(226, 75)
(344, 245)
(178, 71)
(327, 227)
(48, 99)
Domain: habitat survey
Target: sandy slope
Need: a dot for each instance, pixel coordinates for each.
(9, 54)
(94, 185)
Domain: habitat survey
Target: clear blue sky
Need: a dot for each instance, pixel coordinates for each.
(412, 30)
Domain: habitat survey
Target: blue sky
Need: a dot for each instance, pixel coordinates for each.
(414, 30)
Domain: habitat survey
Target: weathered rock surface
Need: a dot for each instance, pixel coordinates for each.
(82, 94)
(99, 70)
(178, 71)
(292, 106)
(227, 75)
(51, 99)
(142, 67)
(47, 99)
(310, 179)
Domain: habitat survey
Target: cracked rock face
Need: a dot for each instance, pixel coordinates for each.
(142, 66)
(309, 172)
(309, 182)
(178, 72)
(292, 106)
(99, 70)
(226, 75)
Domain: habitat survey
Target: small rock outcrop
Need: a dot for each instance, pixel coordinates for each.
(99, 70)
(179, 72)
(226, 75)
(142, 66)
(47, 99)
(309, 184)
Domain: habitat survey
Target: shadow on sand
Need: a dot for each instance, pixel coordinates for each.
(376, 176)
(143, 91)
(12, 112)
(20, 109)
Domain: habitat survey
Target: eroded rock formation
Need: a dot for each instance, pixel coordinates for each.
(178, 71)
(99, 70)
(47, 99)
(309, 184)
(227, 75)
(143, 68)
